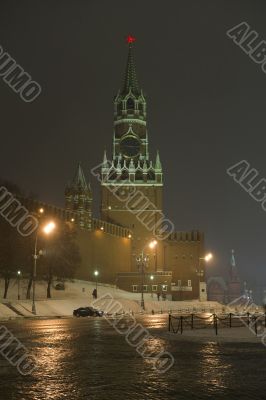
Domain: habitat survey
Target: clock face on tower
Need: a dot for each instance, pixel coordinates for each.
(130, 146)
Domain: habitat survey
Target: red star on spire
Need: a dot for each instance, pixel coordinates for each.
(130, 39)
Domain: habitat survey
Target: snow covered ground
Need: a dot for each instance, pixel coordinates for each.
(79, 293)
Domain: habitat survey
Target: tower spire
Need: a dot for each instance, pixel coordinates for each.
(233, 268)
(105, 162)
(158, 165)
(233, 261)
(78, 197)
(79, 178)
(130, 80)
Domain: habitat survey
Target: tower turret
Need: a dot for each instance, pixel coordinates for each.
(158, 169)
(78, 198)
(130, 169)
(130, 140)
(233, 269)
(234, 286)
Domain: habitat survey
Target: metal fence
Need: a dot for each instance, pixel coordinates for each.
(178, 323)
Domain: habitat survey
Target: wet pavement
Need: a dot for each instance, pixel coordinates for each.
(87, 359)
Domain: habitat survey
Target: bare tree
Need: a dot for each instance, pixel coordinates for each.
(61, 256)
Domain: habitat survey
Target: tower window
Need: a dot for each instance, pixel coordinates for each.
(130, 104)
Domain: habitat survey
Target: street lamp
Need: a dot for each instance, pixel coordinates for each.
(208, 257)
(19, 275)
(142, 261)
(153, 245)
(96, 273)
(151, 278)
(199, 271)
(47, 229)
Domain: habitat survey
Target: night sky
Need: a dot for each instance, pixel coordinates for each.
(206, 107)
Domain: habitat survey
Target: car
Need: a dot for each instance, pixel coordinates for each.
(60, 286)
(87, 312)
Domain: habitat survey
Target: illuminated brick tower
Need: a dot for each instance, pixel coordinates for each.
(131, 182)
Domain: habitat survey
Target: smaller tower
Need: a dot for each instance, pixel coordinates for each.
(158, 169)
(234, 287)
(78, 198)
(233, 270)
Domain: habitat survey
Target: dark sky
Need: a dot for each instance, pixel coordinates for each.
(206, 106)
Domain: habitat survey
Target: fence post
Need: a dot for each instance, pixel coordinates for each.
(181, 324)
(169, 323)
(192, 321)
(230, 320)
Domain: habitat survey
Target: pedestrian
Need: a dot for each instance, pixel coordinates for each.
(158, 296)
(94, 294)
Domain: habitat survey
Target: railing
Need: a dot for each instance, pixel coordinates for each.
(177, 324)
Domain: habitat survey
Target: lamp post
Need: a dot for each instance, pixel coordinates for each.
(47, 229)
(151, 278)
(19, 275)
(142, 261)
(96, 274)
(200, 272)
(153, 245)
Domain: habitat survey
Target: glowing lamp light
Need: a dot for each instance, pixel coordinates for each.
(130, 39)
(41, 210)
(96, 273)
(72, 220)
(102, 228)
(153, 244)
(152, 277)
(49, 228)
(208, 257)
(130, 236)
